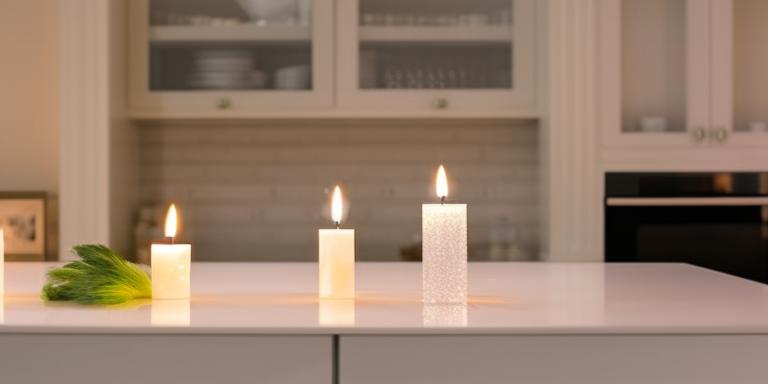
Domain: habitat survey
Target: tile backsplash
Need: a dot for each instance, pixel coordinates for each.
(261, 191)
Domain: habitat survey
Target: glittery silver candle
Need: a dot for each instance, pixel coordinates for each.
(444, 253)
(444, 248)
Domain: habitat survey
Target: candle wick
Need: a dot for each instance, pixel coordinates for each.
(442, 200)
(171, 238)
(337, 225)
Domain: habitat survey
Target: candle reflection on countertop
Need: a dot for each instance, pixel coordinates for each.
(444, 315)
(336, 312)
(171, 312)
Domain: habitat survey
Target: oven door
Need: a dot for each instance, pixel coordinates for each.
(726, 234)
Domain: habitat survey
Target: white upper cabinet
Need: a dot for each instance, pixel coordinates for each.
(252, 58)
(684, 73)
(654, 72)
(205, 55)
(438, 54)
(740, 72)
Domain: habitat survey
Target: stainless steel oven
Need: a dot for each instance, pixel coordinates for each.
(713, 220)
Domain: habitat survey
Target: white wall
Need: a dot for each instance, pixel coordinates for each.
(29, 138)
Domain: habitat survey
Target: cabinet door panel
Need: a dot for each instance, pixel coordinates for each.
(189, 359)
(588, 359)
(655, 72)
(231, 54)
(436, 55)
(739, 60)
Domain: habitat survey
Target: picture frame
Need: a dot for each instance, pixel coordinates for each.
(23, 219)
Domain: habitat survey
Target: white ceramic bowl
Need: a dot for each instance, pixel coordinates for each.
(268, 9)
(293, 77)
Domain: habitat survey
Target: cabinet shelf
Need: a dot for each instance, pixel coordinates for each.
(500, 33)
(250, 33)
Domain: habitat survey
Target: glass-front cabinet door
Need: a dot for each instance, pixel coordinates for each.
(655, 72)
(436, 54)
(231, 54)
(739, 63)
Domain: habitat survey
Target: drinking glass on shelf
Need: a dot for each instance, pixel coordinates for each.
(398, 19)
(464, 78)
(367, 19)
(389, 19)
(452, 78)
(435, 77)
(430, 81)
(445, 20)
(378, 19)
(503, 17)
(412, 78)
(393, 78)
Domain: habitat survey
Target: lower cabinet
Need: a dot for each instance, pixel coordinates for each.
(370, 359)
(189, 359)
(592, 359)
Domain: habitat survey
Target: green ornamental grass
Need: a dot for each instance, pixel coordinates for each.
(101, 277)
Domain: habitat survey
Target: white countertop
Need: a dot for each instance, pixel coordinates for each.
(504, 298)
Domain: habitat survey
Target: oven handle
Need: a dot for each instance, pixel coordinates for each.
(686, 201)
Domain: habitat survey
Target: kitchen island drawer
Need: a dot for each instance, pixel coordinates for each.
(533, 359)
(130, 359)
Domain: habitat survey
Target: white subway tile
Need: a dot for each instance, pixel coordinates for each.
(261, 192)
(230, 192)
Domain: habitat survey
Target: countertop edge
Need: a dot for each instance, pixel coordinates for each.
(357, 331)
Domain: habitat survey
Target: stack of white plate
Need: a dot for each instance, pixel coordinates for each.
(223, 69)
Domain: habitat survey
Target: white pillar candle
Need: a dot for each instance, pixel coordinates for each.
(336, 257)
(444, 248)
(171, 312)
(171, 264)
(444, 315)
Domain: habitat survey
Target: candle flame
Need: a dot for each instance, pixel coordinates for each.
(336, 205)
(170, 222)
(442, 183)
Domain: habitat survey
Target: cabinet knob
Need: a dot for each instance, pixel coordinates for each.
(224, 103)
(440, 103)
(719, 134)
(699, 134)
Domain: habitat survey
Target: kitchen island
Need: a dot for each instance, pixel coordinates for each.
(524, 322)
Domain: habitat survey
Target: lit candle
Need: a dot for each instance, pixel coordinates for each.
(336, 257)
(171, 264)
(444, 248)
